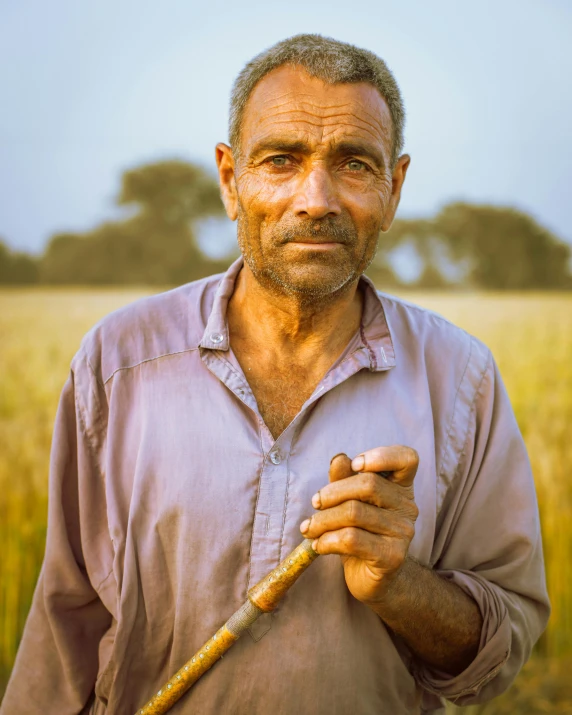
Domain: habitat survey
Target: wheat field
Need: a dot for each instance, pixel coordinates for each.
(530, 336)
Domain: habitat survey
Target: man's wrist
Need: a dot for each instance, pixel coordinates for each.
(395, 590)
(437, 620)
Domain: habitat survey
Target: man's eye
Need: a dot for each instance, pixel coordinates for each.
(355, 165)
(279, 160)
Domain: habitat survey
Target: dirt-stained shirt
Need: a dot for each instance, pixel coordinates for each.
(169, 498)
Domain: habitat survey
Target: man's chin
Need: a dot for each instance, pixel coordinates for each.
(311, 280)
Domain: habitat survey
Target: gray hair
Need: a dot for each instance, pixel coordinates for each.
(327, 59)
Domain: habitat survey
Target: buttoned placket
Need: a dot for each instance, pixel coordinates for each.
(266, 550)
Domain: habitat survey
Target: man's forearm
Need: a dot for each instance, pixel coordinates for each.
(438, 621)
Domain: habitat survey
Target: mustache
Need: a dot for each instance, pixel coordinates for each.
(328, 230)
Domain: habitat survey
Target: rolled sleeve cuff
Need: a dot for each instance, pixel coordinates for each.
(494, 646)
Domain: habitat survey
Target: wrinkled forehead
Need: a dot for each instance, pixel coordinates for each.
(290, 102)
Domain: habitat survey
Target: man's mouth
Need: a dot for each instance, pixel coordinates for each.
(317, 241)
(316, 245)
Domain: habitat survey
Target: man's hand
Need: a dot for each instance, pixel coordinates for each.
(368, 518)
(367, 515)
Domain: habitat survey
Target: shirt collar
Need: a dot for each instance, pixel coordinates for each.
(215, 336)
(374, 330)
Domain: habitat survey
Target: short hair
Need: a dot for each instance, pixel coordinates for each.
(327, 59)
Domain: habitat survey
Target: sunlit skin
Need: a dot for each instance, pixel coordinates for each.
(312, 187)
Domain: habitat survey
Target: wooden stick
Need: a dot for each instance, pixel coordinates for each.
(262, 598)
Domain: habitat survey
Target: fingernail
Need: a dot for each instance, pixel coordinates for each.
(315, 544)
(304, 526)
(316, 501)
(358, 463)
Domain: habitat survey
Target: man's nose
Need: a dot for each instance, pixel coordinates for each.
(316, 196)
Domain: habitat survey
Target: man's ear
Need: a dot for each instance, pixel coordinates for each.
(225, 164)
(396, 183)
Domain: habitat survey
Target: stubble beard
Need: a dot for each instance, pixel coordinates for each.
(318, 278)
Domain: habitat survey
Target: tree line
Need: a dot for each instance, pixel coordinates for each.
(464, 245)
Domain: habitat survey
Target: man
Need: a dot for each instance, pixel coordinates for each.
(193, 438)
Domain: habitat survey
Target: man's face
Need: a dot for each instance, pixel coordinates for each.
(313, 186)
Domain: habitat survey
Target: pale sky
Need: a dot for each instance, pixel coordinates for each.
(88, 89)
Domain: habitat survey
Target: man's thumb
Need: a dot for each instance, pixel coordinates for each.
(340, 467)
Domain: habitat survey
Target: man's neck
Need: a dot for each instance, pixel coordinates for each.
(291, 326)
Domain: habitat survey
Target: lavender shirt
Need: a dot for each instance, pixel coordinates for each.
(169, 498)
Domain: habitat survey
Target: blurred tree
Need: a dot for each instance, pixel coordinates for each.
(420, 235)
(432, 278)
(17, 268)
(506, 249)
(62, 260)
(171, 192)
(156, 245)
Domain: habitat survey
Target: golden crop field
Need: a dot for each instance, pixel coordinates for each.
(529, 334)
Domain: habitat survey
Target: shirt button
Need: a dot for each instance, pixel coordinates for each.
(216, 338)
(275, 457)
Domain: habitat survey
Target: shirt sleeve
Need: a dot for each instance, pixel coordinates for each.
(490, 546)
(57, 661)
